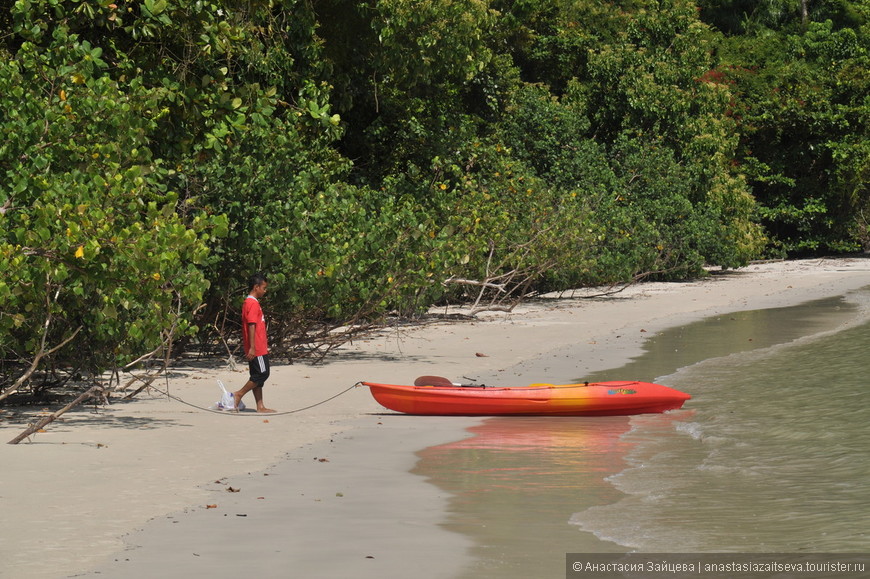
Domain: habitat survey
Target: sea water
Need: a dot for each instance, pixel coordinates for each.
(772, 454)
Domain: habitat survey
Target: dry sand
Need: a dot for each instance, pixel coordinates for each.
(73, 497)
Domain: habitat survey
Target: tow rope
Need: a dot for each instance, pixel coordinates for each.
(236, 413)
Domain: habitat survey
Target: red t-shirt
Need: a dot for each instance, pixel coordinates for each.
(252, 313)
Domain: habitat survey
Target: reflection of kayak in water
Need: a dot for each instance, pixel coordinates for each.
(519, 453)
(432, 395)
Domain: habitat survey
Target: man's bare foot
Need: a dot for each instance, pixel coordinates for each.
(264, 410)
(237, 400)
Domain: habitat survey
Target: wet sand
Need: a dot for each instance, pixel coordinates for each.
(75, 498)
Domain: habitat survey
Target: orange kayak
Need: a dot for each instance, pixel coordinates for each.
(586, 399)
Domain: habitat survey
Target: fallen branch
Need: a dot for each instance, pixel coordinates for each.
(92, 392)
(145, 384)
(473, 282)
(34, 364)
(231, 360)
(145, 357)
(622, 286)
(165, 347)
(42, 352)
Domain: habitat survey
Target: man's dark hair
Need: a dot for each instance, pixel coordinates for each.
(256, 279)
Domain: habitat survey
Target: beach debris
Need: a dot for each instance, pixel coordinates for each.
(227, 401)
(481, 355)
(211, 506)
(232, 490)
(93, 392)
(321, 459)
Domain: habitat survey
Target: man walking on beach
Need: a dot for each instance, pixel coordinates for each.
(255, 343)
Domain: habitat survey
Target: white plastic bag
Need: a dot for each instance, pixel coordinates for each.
(227, 402)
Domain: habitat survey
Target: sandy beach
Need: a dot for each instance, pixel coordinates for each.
(75, 497)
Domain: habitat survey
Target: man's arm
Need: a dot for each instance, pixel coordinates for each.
(252, 347)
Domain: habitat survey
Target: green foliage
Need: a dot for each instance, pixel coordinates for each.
(423, 43)
(749, 17)
(90, 239)
(803, 113)
(379, 157)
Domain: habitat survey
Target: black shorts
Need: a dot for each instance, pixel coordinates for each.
(259, 369)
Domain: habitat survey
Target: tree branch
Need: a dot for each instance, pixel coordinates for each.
(92, 392)
(34, 364)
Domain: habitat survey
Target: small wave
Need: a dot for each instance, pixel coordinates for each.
(693, 429)
(773, 456)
